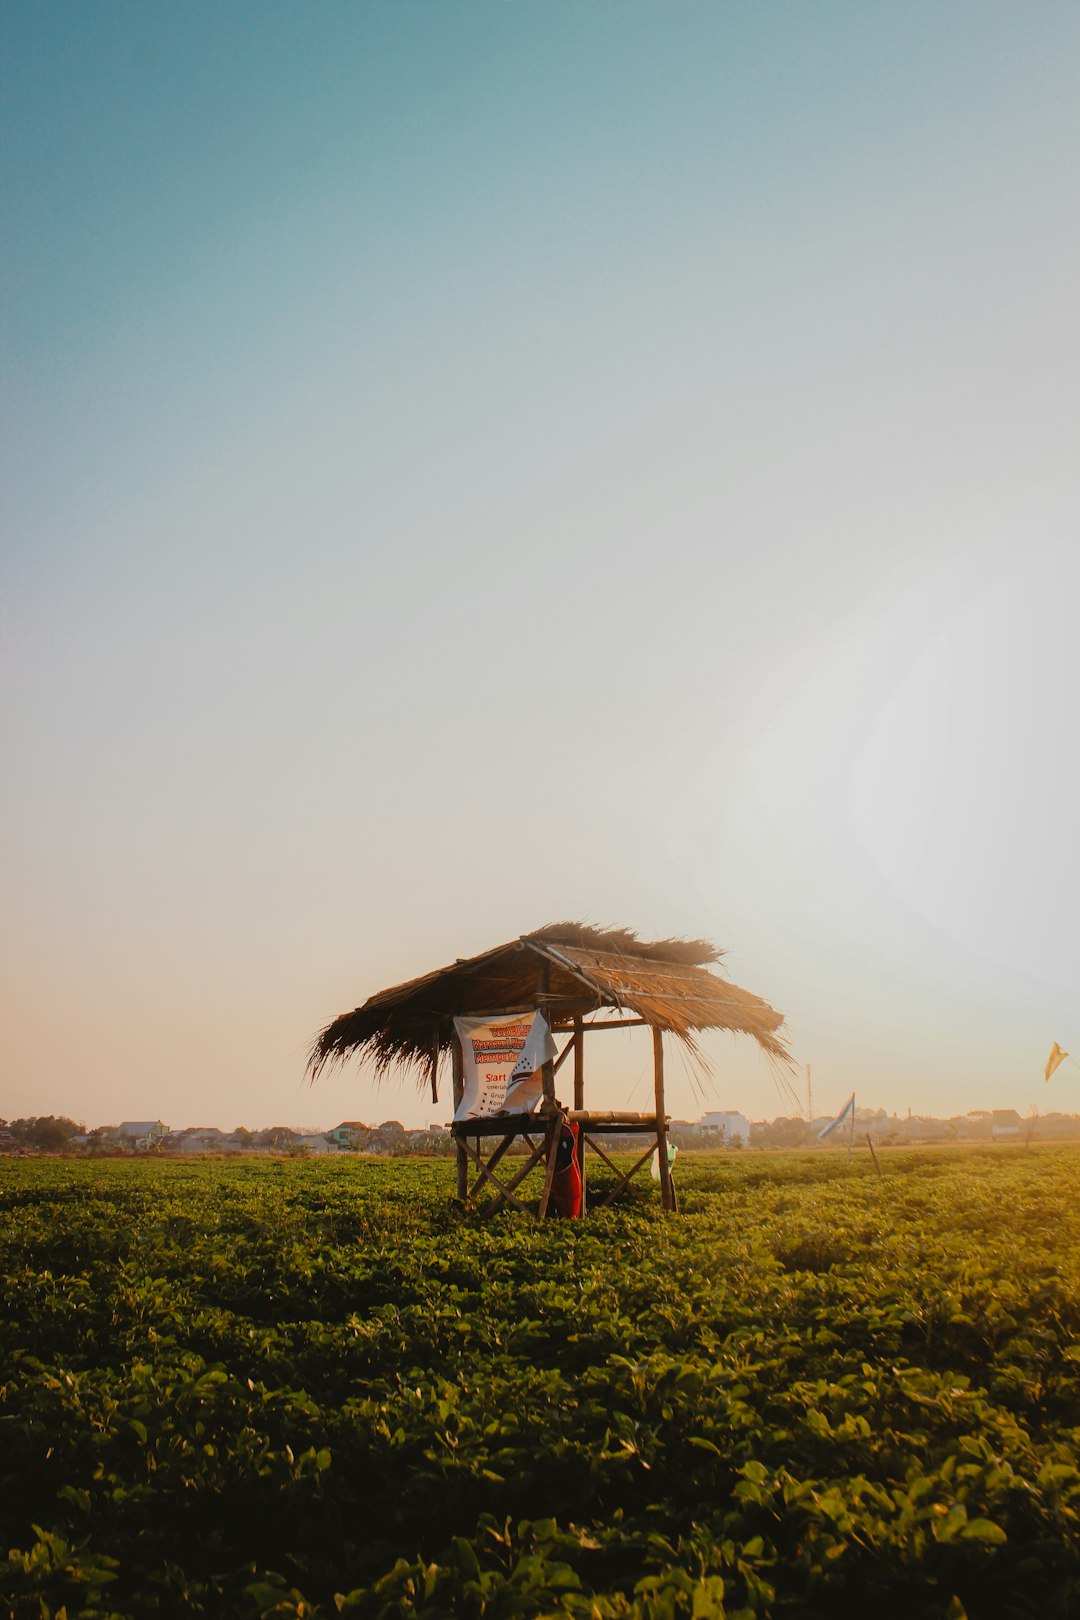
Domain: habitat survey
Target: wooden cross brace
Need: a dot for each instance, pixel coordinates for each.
(624, 1176)
(504, 1192)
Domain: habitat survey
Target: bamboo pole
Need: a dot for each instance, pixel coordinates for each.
(565, 1053)
(579, 1062)
(435, 1064)
(579, 1096)
(625, 1177)
(459, 1092)
(536, 1155)
(551, 1141)
(666, 1190)
(604, 1023)
(547, 1073)
(485, 1172)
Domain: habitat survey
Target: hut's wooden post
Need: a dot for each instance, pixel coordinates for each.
(553, 1133)
(459, 1092)
(666, 1190)
(579, 1061)
(547, 1073)
(579, 1095)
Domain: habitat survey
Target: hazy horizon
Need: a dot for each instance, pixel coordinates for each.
(470, 466)
(439, 1118)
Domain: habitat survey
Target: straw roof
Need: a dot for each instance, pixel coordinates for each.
(665, 982)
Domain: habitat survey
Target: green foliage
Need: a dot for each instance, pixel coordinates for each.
(50, 1132)
(302, 1389)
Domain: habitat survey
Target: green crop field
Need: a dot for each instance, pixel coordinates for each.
(298, 1389)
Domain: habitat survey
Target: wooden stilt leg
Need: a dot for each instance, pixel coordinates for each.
(579, 1062)
(667, 1192)
(459, 1092)
(579, 1095)
(554, 1131)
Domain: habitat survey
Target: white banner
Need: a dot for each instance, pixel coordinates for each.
(502, 1062)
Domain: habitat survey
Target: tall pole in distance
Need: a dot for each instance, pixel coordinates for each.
(809, 1099)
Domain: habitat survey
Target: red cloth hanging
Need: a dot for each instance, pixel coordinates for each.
(566, 1187)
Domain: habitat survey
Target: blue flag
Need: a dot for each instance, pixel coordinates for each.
(847, 1112)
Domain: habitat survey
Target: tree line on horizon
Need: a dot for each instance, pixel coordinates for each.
(58, 1133)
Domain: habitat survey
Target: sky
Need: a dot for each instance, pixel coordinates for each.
(470, 465)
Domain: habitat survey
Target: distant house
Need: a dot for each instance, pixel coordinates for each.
(277, 1139)
(8, 1143)
(349, 1134)
(201, 1139)
(316, 1142)
(1005, 1125)
(141, 1134)
(238, 1142)
(728, 1126)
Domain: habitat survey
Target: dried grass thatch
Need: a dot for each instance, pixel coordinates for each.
(665, 982)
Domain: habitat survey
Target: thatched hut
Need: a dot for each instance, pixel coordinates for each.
(581, 979)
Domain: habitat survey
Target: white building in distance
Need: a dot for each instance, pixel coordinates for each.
(730, 1126)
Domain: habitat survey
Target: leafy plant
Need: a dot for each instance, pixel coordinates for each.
(308, 1389)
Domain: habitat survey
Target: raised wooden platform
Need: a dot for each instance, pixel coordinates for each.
(545, 1127)
(609, 1124)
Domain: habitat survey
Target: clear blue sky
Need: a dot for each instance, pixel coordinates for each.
(471, 464)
